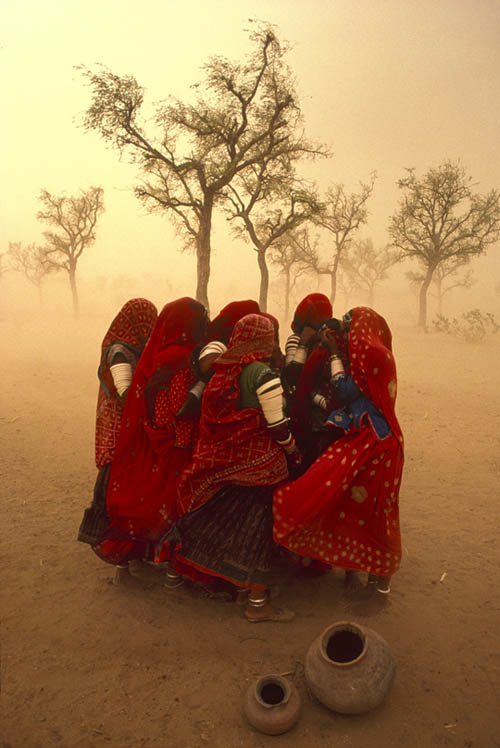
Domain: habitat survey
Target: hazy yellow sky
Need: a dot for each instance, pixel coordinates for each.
(387, 84)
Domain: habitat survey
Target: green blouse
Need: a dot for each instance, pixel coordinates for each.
(250, 380)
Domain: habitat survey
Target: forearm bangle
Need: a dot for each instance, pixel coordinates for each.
(336, 366)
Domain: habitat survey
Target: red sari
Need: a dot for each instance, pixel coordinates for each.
(153, 446)
(344, 510)
(129, 331)
(225, 526)
(221, 327)
(234, 445)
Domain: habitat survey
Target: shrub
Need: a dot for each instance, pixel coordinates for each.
(473, 326)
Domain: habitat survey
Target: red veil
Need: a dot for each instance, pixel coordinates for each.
(153, 446)
(344, 510)
(221, 327)
(313, 310)
(234, 446)
(130, 328)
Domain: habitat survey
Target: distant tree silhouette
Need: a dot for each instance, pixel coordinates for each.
(286, 255)
(279, 209)
(30, 260)
(366, 266)
(440, 218)
(342, 215)
(447, 277)
(246, 117)
(74, 219)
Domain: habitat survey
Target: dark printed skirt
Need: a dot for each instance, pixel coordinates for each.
(230, 537)
(95, 520)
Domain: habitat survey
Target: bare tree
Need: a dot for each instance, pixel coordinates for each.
(280, 206)
(366, 266)
(440, 218)
(286, 255)
(74, 219)
(342, 216)
(447, 277)
(244, 117)
(30, 260)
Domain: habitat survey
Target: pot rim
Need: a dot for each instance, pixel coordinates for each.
(278, 680)
(343, 626)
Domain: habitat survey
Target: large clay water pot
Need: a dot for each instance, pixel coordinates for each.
(349, 668)
(272, 705)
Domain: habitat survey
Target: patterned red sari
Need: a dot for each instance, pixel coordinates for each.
(153, 446)
(234, 446)
(129, 331)
(344, 510)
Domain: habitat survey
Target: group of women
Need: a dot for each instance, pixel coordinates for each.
(219, 458)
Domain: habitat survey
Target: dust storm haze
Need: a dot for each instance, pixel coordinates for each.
(386, 85)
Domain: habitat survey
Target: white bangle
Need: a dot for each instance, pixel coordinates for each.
(216, 346)
(270, 397)
(122, 376)
(336, 367)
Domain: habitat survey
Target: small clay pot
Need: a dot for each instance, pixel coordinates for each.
(272, 705)
(349, 668)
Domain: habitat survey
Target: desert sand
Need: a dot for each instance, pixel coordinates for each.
(86, 663)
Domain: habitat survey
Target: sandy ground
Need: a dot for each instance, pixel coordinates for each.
(86, 663)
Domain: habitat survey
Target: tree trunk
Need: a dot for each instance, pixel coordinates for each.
(439, 289)
(74, 292)
(264, 279)
(422, 312)
(203, 253)
(371, 295)
(333, 285)
(40, 296)
(287, 293)
(333, 279)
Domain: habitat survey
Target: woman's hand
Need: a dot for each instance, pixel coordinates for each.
(307, 335)
(327, 338)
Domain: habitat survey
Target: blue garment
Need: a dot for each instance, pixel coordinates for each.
(357, 406)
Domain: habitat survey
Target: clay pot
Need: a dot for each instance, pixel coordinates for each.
(349, 668)
(272, 705)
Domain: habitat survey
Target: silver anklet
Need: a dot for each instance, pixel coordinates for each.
(257, 602)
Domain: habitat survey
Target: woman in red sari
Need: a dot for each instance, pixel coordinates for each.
(120, 351)
(217, 337)
(153, 445)
(225, 494)
(344, 510)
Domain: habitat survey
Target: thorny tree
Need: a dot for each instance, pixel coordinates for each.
(440, 218)
(30, 260)
(366, 266)
(74, 219)
(342, 216)
(243, 118)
